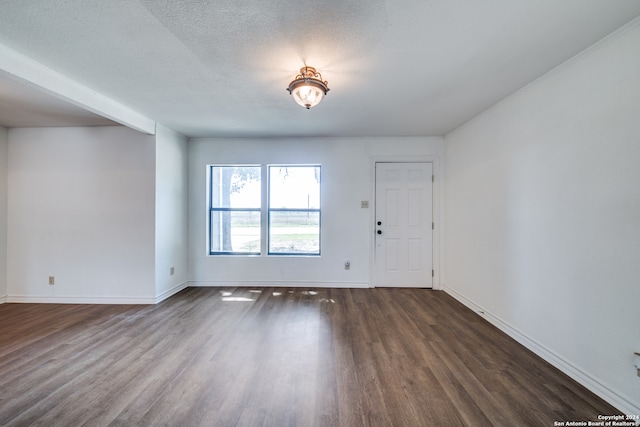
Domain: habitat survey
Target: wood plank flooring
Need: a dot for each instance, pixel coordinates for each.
(276, 357)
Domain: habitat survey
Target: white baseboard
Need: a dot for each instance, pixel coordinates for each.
(3, 299)
(623, 404)
(79, 300)
(36, 299)
(166, 294)
(278, 284)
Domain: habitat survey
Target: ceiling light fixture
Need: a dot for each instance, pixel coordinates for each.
(308, 88)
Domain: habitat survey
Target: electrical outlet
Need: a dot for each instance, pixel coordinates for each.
(171, 271)
(52, 280)
(347, 265)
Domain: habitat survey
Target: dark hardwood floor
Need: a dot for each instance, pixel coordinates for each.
(276, 357)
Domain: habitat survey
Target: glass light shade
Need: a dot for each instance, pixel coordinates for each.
(307, 94)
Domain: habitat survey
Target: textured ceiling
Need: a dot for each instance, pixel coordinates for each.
(220, 68)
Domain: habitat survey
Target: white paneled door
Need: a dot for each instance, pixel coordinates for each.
(404, 234)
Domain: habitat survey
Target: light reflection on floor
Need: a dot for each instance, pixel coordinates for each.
(228, 296)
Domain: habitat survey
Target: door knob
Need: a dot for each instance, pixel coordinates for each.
(379, 222)
(379, 231)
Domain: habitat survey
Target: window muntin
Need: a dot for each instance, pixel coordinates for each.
(235, 210)
(294, 210)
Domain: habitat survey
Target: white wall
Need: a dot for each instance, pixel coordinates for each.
(543, 216)
(81, 208)
(347, 229)
(4, 153)
(171, 212)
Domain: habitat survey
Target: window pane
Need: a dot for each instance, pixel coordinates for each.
(235, 186)
(237, 231)
(294, 187)
(294, 232)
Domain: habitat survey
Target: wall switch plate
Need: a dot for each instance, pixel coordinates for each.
(52, 280)
(347, 265)
(636, 361)
(364, 204)
(171, 271)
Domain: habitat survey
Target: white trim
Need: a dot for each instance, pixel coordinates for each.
(625, 405)
(278, 284)
(168, 293)
(25, 70)
(78, 300)
(3, 299)
(437, 217)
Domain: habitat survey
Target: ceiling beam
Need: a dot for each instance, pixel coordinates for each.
(24, 69)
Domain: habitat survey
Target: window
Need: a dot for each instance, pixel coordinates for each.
(294, 210)
(239, 223)
(234, 210)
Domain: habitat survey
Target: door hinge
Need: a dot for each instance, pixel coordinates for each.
(433, 273)
(433, 225)
(433, 178)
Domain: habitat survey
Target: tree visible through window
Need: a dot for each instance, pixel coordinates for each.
(235, 210)
(236, 214)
